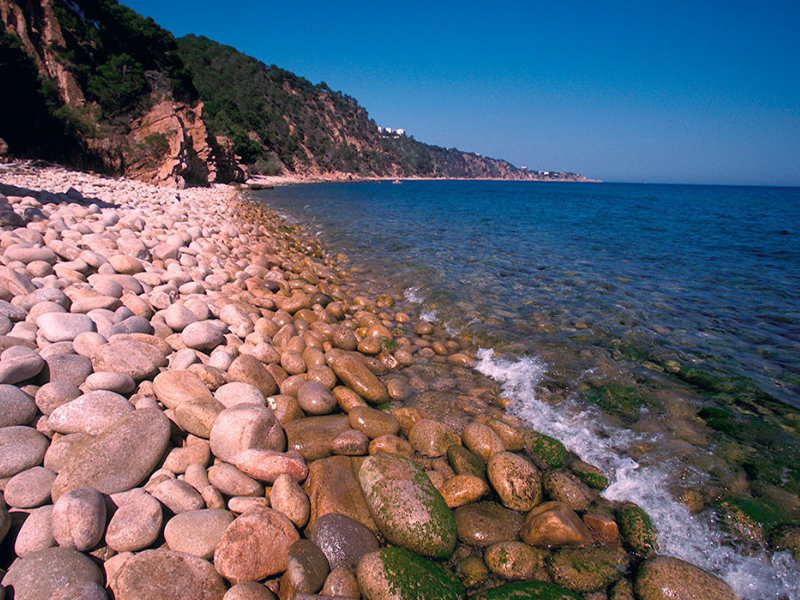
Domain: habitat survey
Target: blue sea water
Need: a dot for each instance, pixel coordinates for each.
(686, 295)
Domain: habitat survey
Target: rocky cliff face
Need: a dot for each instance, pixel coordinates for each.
(160, 139)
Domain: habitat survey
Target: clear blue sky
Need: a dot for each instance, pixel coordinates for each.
(622, 90)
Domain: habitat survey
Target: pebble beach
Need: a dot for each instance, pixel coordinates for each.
(197, 401)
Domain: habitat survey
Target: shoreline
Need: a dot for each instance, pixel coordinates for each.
(349, 178)
(209, 294)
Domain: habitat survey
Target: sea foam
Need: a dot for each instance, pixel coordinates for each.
(693, 538)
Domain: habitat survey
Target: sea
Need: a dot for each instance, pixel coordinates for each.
(653, 329)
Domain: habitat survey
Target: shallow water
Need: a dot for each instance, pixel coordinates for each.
(653, 329)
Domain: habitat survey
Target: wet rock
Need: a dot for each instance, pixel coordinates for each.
(533, 590)
(306, 568)
(472, 571)
(342, 583)
(40, 575)
(465, 462)
(463, 489)
(604, 528)
(359, 378)
(432, 438)
(342, 540)
(515, 479)
(487, 523)
(545, 451)
(565, 488)
(137, 522)
(408, 510)
(515, 560)
(255, 546)
(482, 441)
(315, 399)
(391, 444)
(30, 488)
(167, 575)
(638, 532)
(668, 578)
(590, 475)
(79, 519)
(585, 570)
(197, 532)
(245, 427)
(398, 574)
(350, 443)
(554, 524)
(21, 448)
(120, 458)
(16, 407)
(373, 423)
(332, 488)
(312, 436)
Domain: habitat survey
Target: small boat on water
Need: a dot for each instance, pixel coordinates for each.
(397, 182)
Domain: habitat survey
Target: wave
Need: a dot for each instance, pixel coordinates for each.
(693, 538)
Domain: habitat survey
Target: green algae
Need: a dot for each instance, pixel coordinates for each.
(411, 576)
(528, 590)
(587, 569)
(546, 451)
(389, 344)
(637, 530)
(465, 462)
(590, 475)
(622, 401)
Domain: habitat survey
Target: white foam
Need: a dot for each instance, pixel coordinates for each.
(428, 316)
(693, 538)
(413, 295)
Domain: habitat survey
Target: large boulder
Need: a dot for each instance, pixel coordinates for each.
(668, 578)
(398, 574)
(167, 575)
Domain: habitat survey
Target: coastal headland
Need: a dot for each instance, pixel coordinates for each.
(196, 402)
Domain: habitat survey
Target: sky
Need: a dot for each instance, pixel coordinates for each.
(619, 90)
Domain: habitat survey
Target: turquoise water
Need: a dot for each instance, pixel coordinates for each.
(654, 329)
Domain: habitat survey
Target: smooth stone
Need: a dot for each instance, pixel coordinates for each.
(202, 335)
(267, 466)
(245, 427)
(110, 381)
(36, 532)
(16, 407)
(354, 373)
(237, 392)
(515, 479)
(71, 368)
(398, 574)
(340, 582)
(486, 523)
(137, 522)
(515, 560)
(91, 413)
(179, 459)
(255, 546)
(176, 386)
(482, 441)
(40, 575)
(20, 368)
(30, 488)
(315, 399)
(86, 343)
(167, 575)
(529, 590)
(198, 416)
(63, 449)
(432, 438)
(463, 489)
(250, 590)
(408, 509)
(242, 504)
(197, 532)
(120, 458)
(133, 358)
(350, 443)
(372, 422)
(342, 540)
(332, 488)
(554, 524)
(306, 569)
(585, 570)
(289, 498)
(312, 436)
(83, 590)
(79, 519)
(178, 496)
(178, 317)
(668, 578)
(64, 327)
(21, 448)
(248, 369)
(232, 482)
(564, 487)
(391, 444)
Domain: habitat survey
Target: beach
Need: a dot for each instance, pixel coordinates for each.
(199, 401)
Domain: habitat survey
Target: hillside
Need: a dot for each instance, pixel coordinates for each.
(281, 122)
(91, 84)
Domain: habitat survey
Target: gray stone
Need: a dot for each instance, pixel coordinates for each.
(36, 532)
(21, 448)
(40, 575)
(167, 575)
(197, 532)
(21, 367)
(120, 458)
(91, 413)
(71, 368)
(64, 327)
(52, 395)
(178, 496)
(342, 540)
(16, 407)
(110, 381)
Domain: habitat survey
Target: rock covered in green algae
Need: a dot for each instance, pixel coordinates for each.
(546, 451)
(465, 462)
(585, 570)
(590, 475)
(668, 578)
(407, 508)
(398, 574)
(637, 530)
(528, 590)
